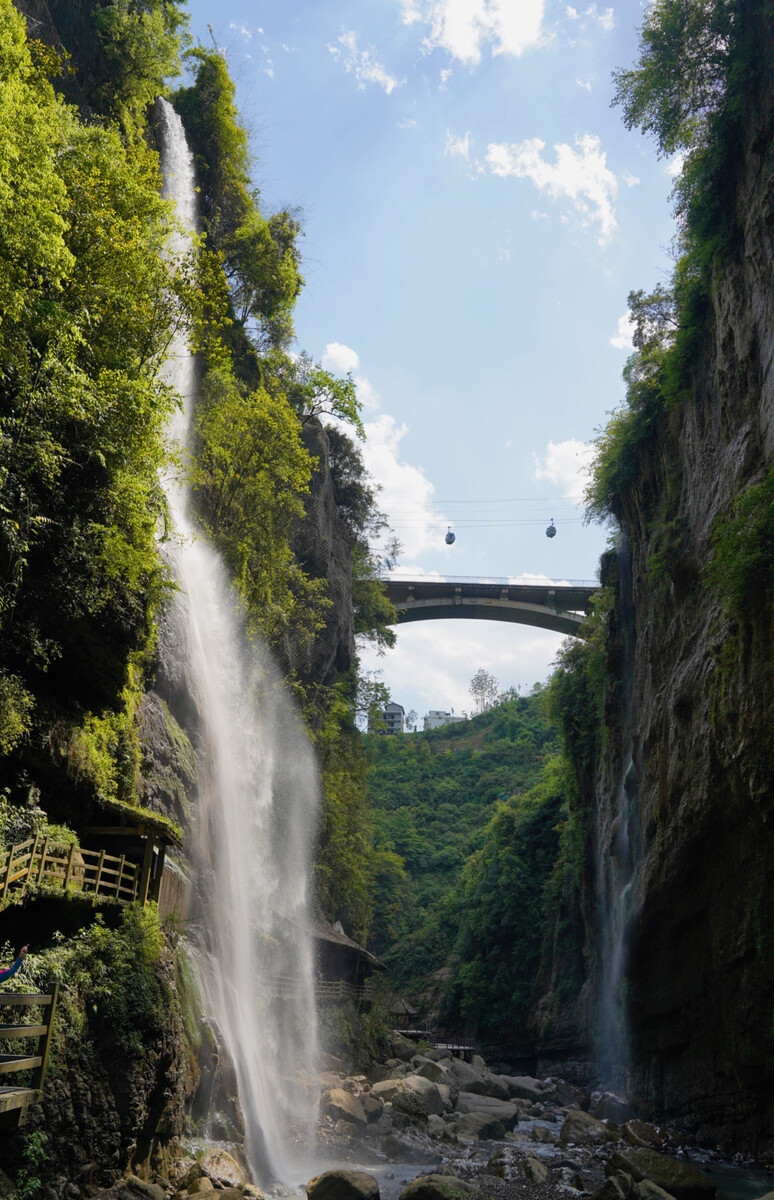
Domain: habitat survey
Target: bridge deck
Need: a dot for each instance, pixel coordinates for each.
(560, 606)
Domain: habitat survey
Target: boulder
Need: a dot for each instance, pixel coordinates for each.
(427, 1068)
(372, 1107)
(581, 1129)
(436, 1126)
(231, 1193)
(200, 1187)
(220, 1167)
(534, 1170)
(449, 1094)
(502, 1164)
(647, 1190)
(472, 1079)
(617, 1186)
(610, 1107)
(479, 1125)
(386, 1089)
(571, 1095)
(542, 1134)
(133, 1188)
(343, 1185)
(410, 1105)
(427, 1092)
(402, 1048)
(681, 1179)
(437, 1187)
(523, 1087)
(639, 1133)
(507, 1114)
(477, 1061)
(343, 1106)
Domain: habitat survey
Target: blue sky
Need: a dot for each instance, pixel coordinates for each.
(474, 215)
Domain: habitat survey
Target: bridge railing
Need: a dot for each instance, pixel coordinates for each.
(506, 581)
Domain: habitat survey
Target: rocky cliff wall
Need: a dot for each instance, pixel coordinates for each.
(701, 946)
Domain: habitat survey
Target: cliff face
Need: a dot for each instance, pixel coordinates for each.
(701, 942)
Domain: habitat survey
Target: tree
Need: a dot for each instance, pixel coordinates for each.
(484, 689)
(411, 721)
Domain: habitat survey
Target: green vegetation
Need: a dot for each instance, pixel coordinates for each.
(698, 72)
(742, 569)
(433, 796)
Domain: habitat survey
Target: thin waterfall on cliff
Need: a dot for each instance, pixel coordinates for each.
(256, 810)
(619, 854)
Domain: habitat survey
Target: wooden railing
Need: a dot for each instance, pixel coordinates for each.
(16, 1098)
(286, 987)
(41, 861)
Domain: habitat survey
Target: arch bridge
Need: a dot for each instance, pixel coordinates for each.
(559, 606)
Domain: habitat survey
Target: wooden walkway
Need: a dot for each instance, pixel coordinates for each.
(287, 987)
(40, 861)
(463, 1047)
(16, 1099)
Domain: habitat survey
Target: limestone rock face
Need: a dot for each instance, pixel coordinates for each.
(343, 1185)
(700, 707)
(680, 1179)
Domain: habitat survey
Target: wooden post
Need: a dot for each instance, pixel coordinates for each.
(100, 865)
(155, 890)
(44, 1045)
(42, 861)
(147, 863)
(8, 870)
(69, 870)
(33, 852)
(120, 876)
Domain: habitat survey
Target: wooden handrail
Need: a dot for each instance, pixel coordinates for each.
(68, 866)
(14, 1101)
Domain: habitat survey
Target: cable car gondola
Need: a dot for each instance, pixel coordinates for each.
(551, 531)
(450, 538)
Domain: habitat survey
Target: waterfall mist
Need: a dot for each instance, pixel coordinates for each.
(257, 800)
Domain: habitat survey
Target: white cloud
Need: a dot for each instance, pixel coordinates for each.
(674, 165)
(446, 74)
(408, 123)
(623, 339)
(629, 179)
(565, 465)
(362, 63)
(458, 147)
(406, 492)
(242, 30)
(579, 174)
(604, 17)
(366, 394)
(339, 358)
(464, 27)
(584, 83)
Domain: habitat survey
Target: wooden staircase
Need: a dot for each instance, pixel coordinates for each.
(16, 1099)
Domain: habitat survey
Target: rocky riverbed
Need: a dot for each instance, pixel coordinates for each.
(426, 1125)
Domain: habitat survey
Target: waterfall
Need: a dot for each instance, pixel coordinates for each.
(619, 855)
(256, 806)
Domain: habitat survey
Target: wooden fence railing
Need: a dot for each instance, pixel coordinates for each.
(40, 860)
(286, 987)
(15, 1099)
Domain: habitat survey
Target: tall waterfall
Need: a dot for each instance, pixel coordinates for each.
(256, 807)
(619, 857)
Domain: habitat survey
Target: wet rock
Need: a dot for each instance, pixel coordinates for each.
(568, 1177)
(681, 1179)
(617, 1186)
(343, 1106)
(449, 1093)
(137, 1189)
(427, 1068)
(411, 1105)
(571, 1094)
(472, 1079)
(503, 1164)
(253, 1193)
(639, 1133)
(354, 1084)
(220, 1167)
(647, 1190)
(507, 1114)
(523, 1087)
(542, 1134)
(436, 1126)
(534, 1170)
(343, 1185)
(199, 1186)
(437, 1187)
(426, 1090)
(404, 1149)
(610, 1107)
(372, 1107)
(582, 1129)
(479, 1125)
